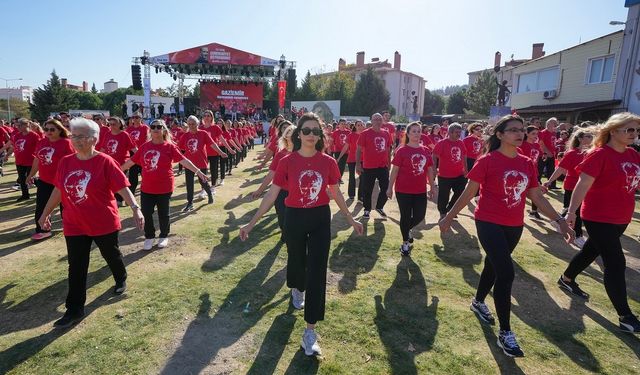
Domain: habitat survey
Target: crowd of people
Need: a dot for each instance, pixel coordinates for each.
(91, 167)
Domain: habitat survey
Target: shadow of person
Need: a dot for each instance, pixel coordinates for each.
(42, 307)
(206, 336)
(356, 256)
(506, 364)
(407, 325)
(302, 364)
(274, 343)
(537, 309)
(460, 249)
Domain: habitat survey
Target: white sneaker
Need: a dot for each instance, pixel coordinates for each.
(297, 299)
(580, 241)
(310, 343)
(162, 243)
(220, 183)
(202, 194)
(148, 244)
(556, 226)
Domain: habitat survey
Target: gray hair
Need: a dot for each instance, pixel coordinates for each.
(193, 118)
(377, 114)
(90, 126)
(552, 119)
(454, 126)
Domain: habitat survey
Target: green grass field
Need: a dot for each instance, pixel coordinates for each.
(212, 304)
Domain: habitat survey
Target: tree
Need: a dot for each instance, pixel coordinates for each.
(88, 100)
(433, 103)
(370, 95)
(19, 108)
(93, 88)
(52, 97)
(112, 101)
(456, 103)
(306, 92)
(482, 95)
(340, 86)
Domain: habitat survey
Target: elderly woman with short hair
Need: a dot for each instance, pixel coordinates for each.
(85, 183)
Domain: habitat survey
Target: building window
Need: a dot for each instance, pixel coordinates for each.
(540, 80)
(600, 69)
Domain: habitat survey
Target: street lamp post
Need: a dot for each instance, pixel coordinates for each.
(6, 82)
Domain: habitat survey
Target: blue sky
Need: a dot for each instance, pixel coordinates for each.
(439, 40)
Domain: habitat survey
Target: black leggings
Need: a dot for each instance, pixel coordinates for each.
(369, 176)
(281, 208)
(23, 172)
(148, 202)
(189, 180)
(342, 162)
(351, 189)
(42, 197)
(223, 162)
(214, 162)
(498, 241)
(134, 172)
(78, 254)
(604, 241)
(578, 225)
(413, 208)
(308, 238)
(445, 185)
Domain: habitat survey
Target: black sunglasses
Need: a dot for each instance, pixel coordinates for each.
(50, 129)
(315, 131)
(156, 127)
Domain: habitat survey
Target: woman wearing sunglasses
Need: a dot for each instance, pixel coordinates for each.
(609, 179)
(155, 158)
(311, 177)
(117, 144)
(48, 153)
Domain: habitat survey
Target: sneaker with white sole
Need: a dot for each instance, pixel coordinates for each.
(310, 343)
(482, 311)
(163, 242)
(297, 299)
(405, 249)
(120, 288)
(148, 244)
(381, 212)
(580, 241)
(507, 342)
(630, 324)
(572, 287)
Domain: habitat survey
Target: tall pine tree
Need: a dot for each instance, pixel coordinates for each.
(370, 96)
(52, 97)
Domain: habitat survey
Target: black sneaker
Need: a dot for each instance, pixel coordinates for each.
(210, 198)
(507, 342)
(572, 287)
(188, 207)
(381, 213)
(120, 288)
(366, 214)
(630, 324)
(23, 198)
(405, 249)
(482, 311)
(535, 215)
(68, 319)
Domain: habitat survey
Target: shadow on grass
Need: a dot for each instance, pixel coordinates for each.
(460, 249)
(301, 364)
(507, 365)
(206, 336)
(41, 308)
(356, 256)
(406, 324)
(274, 343)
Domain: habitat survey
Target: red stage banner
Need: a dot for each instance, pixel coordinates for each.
(282, 93)
(240, 98)
(213, 53)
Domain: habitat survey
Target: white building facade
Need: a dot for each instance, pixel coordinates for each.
(24, 93)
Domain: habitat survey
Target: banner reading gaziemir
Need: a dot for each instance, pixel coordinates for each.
(240, 98)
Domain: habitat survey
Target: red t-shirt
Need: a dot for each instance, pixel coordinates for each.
(195, 147)
(611, 198)
(104, 130)
(176, 133)
(117, 146)
(306, 179)
(451, 158)
(4, 136)
(273, 144)
(473, 146)
(87, 188)
(375, 146)
(390, 128)
(352, 139)
(413, 163)
(339, 139)
(569, 162)
(156, 160)
(49, 155)
(549, 140)
(138, 135)
(503, 183)
(214, 132)
(435, 138)
(24, 146)
(426, 141)
(531, 150)
(226, 135)
(272, 131)
(276, 159)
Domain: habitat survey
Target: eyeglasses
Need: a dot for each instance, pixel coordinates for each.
(50, 129)
(315, 131)
(514, 130)
(156, 127)
(76, 137)
(586, 136)
(630, 130)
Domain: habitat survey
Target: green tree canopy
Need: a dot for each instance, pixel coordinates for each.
(306, 91)
(482, 94)
(456, 103)
(370, 95)
(52, 97)
(433, 103)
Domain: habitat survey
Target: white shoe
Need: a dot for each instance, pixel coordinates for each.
(220, 183)
(202, 194)
(580, 241)
(310, 343)
(162, 243)
(556, 226)
(148, 244)
(297, 299)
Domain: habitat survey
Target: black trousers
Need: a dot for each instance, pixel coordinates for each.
(134, 172)
(214, 162)
(23, 172)
(498, 242)
(280, 209)
(445, 185)
(470, 163)
(43, 193)
(342, 162)
(351, 188)
(578, 226)
(148, 203)
(223, 162)
(78, 254)
(308, 239)
(546, 167)
(604, 241)
(189, 181)
(369, 177)
(413, 208)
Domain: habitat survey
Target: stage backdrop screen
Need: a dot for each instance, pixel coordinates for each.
(244, 98)
(328, 110)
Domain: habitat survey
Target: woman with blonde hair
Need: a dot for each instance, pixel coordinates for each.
(609, 178)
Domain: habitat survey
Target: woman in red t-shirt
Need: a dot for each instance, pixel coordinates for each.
(577, 146)
(85, 184)
(609, 179)
(504, 178)
(155, 158)
(118, 144)
(434, 135)
(474, 144)
(234, 148)
(311, 177)
(350, 147)
(176, 132)
(273, 147)
(23, 143)
(410, 172)
(48, 153)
